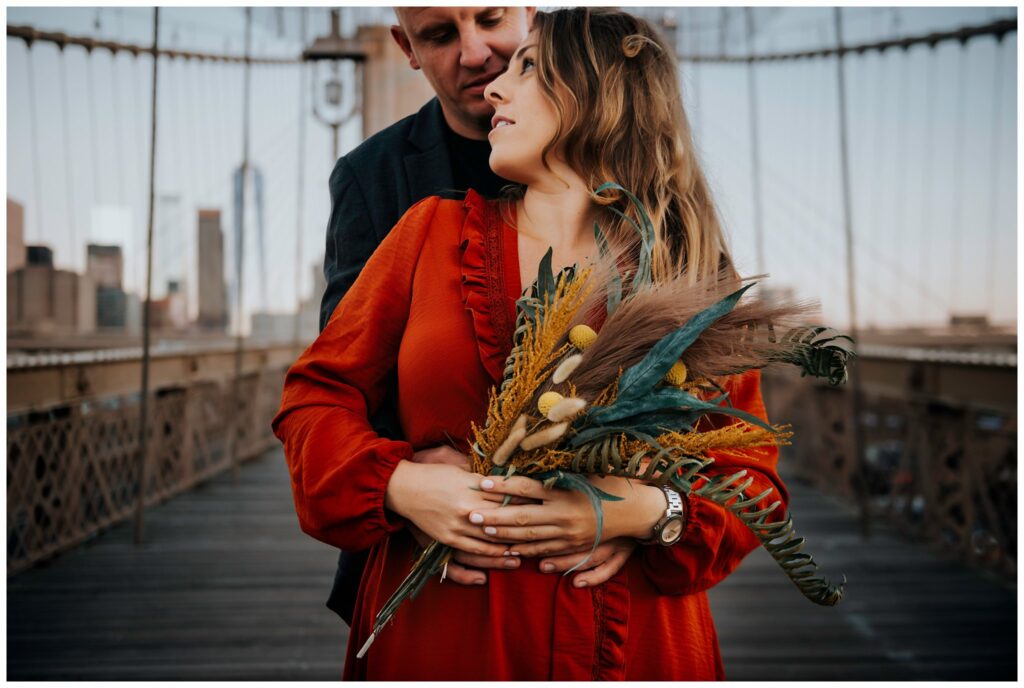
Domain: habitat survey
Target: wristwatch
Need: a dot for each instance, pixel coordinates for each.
(669, 528)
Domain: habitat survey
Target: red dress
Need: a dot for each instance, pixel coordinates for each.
(436, 304)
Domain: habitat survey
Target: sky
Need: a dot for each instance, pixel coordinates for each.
(932, 137)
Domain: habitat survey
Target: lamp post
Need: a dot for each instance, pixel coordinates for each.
(328, 105)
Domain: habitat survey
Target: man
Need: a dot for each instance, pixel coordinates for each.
(441, 148)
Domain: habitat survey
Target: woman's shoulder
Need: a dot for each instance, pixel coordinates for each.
(468, 207)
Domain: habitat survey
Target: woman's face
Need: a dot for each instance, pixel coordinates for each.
(525, 119)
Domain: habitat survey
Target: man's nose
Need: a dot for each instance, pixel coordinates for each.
(475, 50)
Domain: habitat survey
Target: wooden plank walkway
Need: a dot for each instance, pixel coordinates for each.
(227, 587)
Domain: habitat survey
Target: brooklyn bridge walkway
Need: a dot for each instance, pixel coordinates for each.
(227, 587)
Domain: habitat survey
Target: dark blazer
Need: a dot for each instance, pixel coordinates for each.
(371, 188)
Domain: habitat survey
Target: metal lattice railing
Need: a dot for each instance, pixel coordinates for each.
(942, 471)
(72, 470)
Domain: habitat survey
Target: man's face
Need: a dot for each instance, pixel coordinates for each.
(461, 50)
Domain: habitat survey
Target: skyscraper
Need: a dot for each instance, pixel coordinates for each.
(15, 235)
(104, 265)
(213, 298)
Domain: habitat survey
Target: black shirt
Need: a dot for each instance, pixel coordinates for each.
(470, 168)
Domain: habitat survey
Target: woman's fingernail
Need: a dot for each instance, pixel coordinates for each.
(507, 554)
(547, 567)
(490, 530)
(487, 483)
(476, 518)
(515, 554)
(479, 581)
(581, 584)
(511, 563)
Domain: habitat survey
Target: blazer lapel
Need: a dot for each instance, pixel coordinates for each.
(428, 170)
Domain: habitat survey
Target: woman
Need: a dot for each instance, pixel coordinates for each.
(435, 305)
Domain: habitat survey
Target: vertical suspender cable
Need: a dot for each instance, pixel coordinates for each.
(755, 146)
(90, 88)
(115, 99)
(927, 232)
(299, 196)
(956, 230)
(36, 188)
(68, 166)
(851, 282)
(901, 148)
(144, 399)
(993, 217)
(240, 249)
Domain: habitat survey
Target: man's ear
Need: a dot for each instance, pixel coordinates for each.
(530, 13)
(398, 33)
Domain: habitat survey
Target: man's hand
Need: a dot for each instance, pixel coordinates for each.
(464, 567)
(607, 560)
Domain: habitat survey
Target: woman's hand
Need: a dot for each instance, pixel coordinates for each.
(464, 567)
(564, 521)
(438, 499)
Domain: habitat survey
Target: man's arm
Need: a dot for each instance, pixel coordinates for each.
(351, 238)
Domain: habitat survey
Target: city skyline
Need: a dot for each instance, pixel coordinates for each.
(201, 140)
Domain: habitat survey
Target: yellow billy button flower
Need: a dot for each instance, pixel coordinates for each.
(676, 375)
(582, 336)
(547, 401)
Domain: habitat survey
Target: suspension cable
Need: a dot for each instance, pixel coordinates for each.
(924, 256)
(997, 28)
(299, 197)
(68, 161)
(997, 97)
(36, 188)
(956, 227)
(30, 34)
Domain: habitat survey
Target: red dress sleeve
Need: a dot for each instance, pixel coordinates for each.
(715, 541)
(339, 466)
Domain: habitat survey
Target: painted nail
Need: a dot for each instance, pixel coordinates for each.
(479, 581)
(581, 584)
(515, 554)
(490, 530)
(487, 483)
(547, 567)
(511, 563)
(476, 518)
(507, 554)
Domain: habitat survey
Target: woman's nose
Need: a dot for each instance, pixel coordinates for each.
(494, 90)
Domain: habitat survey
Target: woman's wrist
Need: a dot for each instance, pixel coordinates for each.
(635, 517)
(651, 509)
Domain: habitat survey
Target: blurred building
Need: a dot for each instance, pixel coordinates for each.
(15, 235)
(213, 298)
(171, 311)
(104, 265)
(391, 89)
(42, 300)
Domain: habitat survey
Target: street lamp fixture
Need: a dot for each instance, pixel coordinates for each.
(336, 49)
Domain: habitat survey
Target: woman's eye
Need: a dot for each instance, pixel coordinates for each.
(527, 64)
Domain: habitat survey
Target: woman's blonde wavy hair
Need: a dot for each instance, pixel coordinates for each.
(615, 85)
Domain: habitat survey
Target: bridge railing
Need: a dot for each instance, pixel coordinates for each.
(73, 437)
(939, 467)
(940, 462)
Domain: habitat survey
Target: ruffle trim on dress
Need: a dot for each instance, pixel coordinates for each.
(483, 282)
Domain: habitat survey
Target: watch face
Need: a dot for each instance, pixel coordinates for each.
(672, 530)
